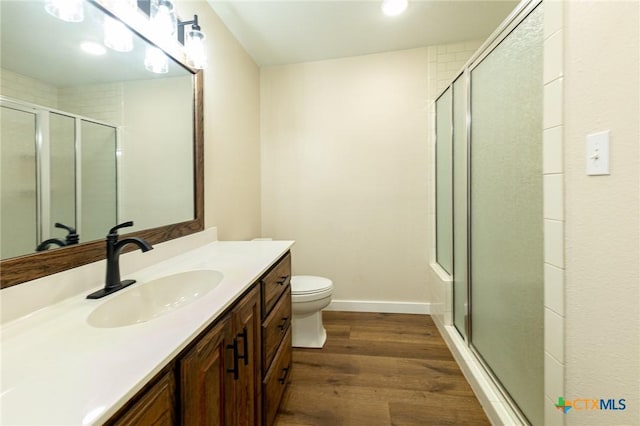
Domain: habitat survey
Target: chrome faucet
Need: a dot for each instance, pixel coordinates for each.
(114, 247)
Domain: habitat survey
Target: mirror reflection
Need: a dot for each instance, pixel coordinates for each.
(88, 138)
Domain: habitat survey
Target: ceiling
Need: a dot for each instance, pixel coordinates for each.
(38, 45)
(282, 32)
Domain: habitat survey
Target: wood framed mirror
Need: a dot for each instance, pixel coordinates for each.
(151, 212)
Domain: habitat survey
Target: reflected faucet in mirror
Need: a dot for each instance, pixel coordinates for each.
(114, 248)
(71, 238)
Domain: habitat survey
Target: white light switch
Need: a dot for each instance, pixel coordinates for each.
(598, 153)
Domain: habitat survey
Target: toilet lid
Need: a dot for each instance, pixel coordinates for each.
(307, 284)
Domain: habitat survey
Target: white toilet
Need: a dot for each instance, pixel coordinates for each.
(309, 295)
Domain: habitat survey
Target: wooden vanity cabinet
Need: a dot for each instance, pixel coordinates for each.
(276, 337)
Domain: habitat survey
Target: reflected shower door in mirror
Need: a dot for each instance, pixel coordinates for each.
(96, 139)
(57, 168)
(18, 182)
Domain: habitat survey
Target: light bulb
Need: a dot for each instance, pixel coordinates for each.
(163, 18)
(117, 36)
(394, 7)
(194, 47)
(155, 60)
(93, 48)
(67, 10)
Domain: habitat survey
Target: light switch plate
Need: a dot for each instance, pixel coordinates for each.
(598, 153)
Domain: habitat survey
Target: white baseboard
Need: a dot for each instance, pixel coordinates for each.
(378, 306)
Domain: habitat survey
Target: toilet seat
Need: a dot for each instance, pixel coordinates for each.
(308, 285)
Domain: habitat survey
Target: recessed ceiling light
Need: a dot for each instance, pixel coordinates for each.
(394, 7)
(93, 48)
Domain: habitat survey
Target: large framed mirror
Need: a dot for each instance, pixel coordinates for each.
(89, 140)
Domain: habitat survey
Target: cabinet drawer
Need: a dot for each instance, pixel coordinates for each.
(276, 379)
(274, 328)
(274, 284)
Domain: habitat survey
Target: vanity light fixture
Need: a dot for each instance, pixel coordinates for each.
(67, 10)
(163, 18)
(93, 48)
(193, 41)
(155, 60)
(118, 36)
(394, 7)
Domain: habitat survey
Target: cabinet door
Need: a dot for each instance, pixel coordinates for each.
(156, 406)
(246, 388)
(204, 378)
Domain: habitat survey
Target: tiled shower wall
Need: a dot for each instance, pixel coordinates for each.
(553, 171)
(18, 86)
(99, 101)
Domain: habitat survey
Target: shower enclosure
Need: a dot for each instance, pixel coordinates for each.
(56, 167)
(489, 172)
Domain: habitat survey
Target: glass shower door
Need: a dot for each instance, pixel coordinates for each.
(444, 234)
(62, 148)
(506, 232)
(459, 154)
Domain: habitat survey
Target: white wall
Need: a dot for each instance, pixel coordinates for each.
(231, 129)
(602, 229)
(344, 171)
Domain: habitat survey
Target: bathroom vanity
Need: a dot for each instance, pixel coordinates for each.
(224, 358)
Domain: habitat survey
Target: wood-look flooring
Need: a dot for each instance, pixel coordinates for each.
(378, 369)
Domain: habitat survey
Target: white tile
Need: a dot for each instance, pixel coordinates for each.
(554, 288)
(553, 196)
(552, 113)
(552, 150)
(446, 57)
(554, 242)
(552, 416)
(553, 57)
(553, 17)
(554, 334)
(553, 378)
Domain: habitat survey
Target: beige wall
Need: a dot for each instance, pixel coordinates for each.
(232, 129)
(602, 234)
(344, 171)
(157, 152)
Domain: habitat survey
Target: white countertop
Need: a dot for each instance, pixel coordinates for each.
(58, 370)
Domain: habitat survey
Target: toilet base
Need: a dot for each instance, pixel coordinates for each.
(307, 330)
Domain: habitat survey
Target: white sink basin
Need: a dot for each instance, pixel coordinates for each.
(146, 301)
